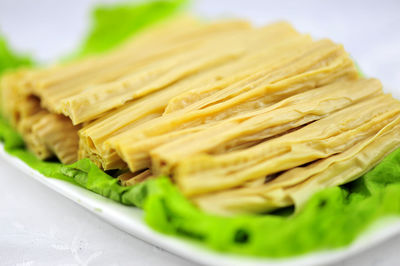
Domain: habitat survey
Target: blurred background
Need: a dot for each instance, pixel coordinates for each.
(42, 227)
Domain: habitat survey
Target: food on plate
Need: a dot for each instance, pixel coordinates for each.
(242, 119)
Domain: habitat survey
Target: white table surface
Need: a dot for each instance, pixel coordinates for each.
(40, 227)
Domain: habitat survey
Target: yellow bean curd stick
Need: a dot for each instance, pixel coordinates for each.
(36, 139)
(132, 114)
(137, 153)
(35, 144)
(297, 185)
(315, 56)
(10, 96)
(23, 111)
(248, 87)
(345, 169)
(63, 73)
(151, 42)
(45, 134)
(72, 78)
(323, 138)
(139, 156)
(276, 38)
(257, 126)
(52, 79)
(57, 99)
(59, 136)
(130, 179)
(98, 99)
(284, 26)
(125, 143)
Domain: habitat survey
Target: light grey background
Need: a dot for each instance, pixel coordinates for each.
(40, 227)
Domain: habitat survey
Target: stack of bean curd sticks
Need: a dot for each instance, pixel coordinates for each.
(243, 119)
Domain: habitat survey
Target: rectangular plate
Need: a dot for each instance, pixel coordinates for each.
(130, 220)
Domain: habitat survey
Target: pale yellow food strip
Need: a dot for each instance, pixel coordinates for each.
(156, 36)
(321, 139)
(98, 99)
(140, 159)
(69, 91)
(131, 115)
(144, 66)
(249, 89)
(33, 142)
(243, 119)
(130, 179)
(59, 136)
(315, 56)
(45, 134)
(257, 126)
(297, 185)
(63, 73)
(344, 168)
(128, 117)
(278, 38)
(125, 143)
(74, 78)
(54, 83)
(23, 112)
(15, 105)
(162, 32)
(8, 95)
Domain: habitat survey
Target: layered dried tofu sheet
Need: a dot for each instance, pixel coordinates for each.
(243, 119)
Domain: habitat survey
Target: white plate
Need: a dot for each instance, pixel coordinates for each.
(129, 219)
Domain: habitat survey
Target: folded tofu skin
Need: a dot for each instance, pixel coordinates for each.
(222, 131)
(220, 107)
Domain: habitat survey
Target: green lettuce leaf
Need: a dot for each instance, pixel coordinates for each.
(332, 218)
(10, 60)
(14, 145)
(89, 176)
(114, 24)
